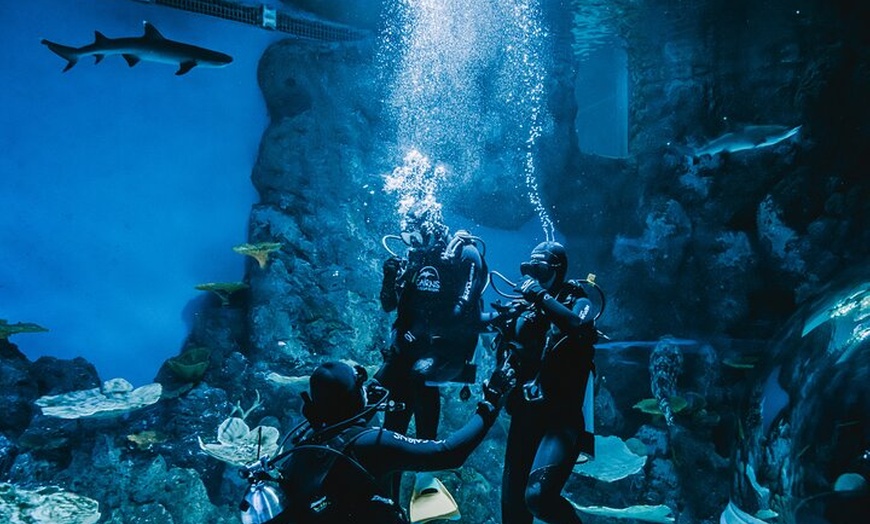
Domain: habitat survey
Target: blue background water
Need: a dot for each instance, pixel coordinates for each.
(123, 188)
(126, 187)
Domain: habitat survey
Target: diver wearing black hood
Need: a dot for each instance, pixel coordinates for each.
(337, 471)
(436, 292)
(549, 341)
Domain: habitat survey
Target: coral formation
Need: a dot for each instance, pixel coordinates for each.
(239, 445)
(650, 406)
(259, 251)
(7, 329)
(224, 290)
(46, 505)
(115, 397)
(658, 514)
(613, 460)
(190, 365)
(147, 439)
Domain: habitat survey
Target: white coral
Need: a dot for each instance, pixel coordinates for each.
(46, 505)
(115, 397)
(239, 445)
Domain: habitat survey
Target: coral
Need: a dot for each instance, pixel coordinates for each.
(659, 514)
(46, 505)
(115, 397)
(284, 380)
(190, 365)
(650, 406)
(224, 290)
(147, 439)
(259, 251)
(7, 329)
(613, 461)
(238, 444)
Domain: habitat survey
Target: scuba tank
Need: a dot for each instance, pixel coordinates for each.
(272, 498)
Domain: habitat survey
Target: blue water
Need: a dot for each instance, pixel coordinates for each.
(123, 188)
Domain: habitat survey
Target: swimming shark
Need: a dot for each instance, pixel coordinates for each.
(151, 47)
(749, 137)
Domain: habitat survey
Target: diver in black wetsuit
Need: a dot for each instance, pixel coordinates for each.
(548, 337)
(336, 470)
(436, 293)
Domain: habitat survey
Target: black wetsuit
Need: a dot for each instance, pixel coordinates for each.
(550, 343)
(353, 483)
(438, 320)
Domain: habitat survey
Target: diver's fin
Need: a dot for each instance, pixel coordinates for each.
(431, 500)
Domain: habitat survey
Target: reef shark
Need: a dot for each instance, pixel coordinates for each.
(151, 47)
(749, 137)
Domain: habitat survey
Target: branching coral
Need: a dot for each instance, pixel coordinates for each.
(259, 251)
(224, 290)
(7, 329)
(115, 397)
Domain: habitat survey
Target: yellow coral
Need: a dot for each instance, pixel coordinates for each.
(224, 290)
(259, 251)
(651, 405)
(147, 439)
(191, 364)
(7, 329)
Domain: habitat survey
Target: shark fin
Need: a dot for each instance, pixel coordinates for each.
(70, 54)
(152, 33)
(131, 59)
(98, 58)
(184, 67)
(100, 38)
(431, 500)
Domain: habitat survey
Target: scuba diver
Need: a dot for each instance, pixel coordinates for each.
(548, 337)
(436, 292)
(336, 469)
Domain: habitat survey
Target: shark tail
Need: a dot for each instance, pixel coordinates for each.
(70, 54)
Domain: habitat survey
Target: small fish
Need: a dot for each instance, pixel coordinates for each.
(151, 47)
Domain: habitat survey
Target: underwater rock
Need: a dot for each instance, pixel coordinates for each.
(54, 375)
(115, 397)
(8, 452)
(662, 246)
(46, 505)
(17, 390)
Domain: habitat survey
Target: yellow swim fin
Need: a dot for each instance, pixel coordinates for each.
(431, 500)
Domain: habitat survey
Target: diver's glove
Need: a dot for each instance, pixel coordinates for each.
(495, 391)
(391, 267)
(532, 291)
